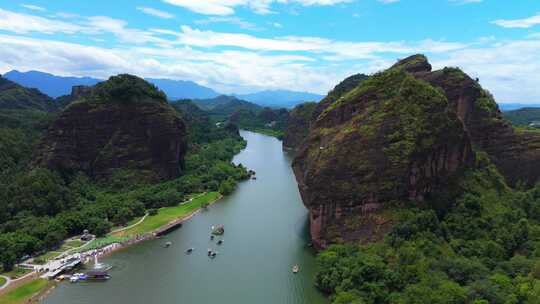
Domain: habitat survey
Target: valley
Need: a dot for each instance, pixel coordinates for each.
(408, 185)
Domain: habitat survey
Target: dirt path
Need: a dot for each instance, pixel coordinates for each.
(129, 227)
(12, 284)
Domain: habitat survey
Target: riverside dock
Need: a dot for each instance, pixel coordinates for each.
(55, 268)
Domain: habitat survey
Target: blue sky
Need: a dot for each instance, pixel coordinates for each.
(248, 45)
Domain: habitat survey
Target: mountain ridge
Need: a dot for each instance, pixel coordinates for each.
(401, 135)
(57, 86)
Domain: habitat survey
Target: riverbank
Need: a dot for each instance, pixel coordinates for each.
(154, 226)
(31, 288)
(266, 234)
(169, 216)
(23, 290)
(267, 131)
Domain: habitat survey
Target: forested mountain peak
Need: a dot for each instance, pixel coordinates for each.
(401, 135)
(126, 88)
(124, 123)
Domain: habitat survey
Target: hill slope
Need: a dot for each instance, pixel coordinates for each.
(401, 135)
(523, 116)
(14, 96)
(124, 124)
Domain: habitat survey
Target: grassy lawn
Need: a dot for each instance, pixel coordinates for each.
(24, 292)
(17, 272)
(168, 214)
(2, 281)
(132, 222)
(102, 242)
(49, 255)
(74, 243)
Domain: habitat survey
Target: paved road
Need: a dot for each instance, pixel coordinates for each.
(8, 281)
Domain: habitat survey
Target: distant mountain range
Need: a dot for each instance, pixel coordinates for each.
(52, 85)
(516, 106)
(56, 86)
(280, 98)
(223, 106)
(180, 89)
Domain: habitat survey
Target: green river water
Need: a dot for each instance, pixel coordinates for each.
(266, 232)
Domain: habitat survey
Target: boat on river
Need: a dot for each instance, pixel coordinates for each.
(95, 275)
(296, 269)
(168, 244)
(190, 250)
(218, 230)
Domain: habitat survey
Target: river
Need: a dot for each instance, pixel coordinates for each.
(266, 232)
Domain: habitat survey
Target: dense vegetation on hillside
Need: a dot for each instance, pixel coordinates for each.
(460, 225)
(14, 96)
(268, 121)
(39, 208)
(244, 114)
(484, 250)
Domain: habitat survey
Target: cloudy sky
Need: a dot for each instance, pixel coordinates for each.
(248, 45)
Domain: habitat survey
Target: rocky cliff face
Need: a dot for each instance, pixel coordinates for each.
(14, 96)
(298, 124)
(515, 154)
(396, 138)
(123, 123)
(303, 115)
(77, 92)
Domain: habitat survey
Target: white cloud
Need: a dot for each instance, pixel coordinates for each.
(227, 71)
(388, 1)
(117, 27)
(226, 7)
(519, 23)
(232, 62)
(155, 12)
(510, 69)
(26, 24)
(23, 24)
(231, 20)
(33, 7)
(332, 49)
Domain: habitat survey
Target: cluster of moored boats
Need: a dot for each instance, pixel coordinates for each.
(217, 231)
(93, 275)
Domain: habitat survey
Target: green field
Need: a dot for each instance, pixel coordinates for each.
(74, 243)
(2, 281)
(168, 214)
(49, 255)
(102, 242)
(24, 292)
(17, 272)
